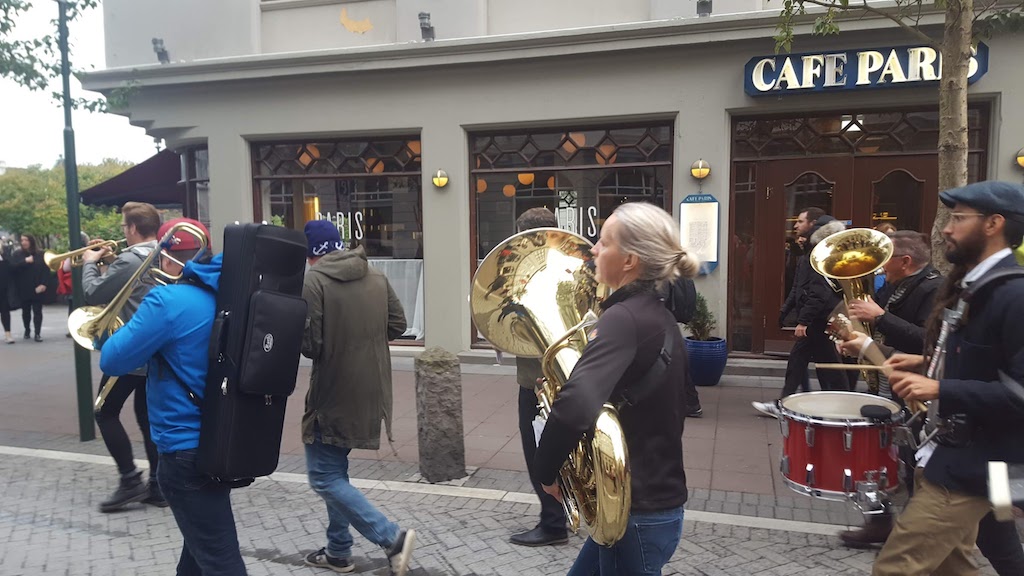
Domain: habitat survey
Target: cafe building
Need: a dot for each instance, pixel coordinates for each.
(425, 151)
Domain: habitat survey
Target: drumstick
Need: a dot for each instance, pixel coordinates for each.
(915, 405)
(838, 366)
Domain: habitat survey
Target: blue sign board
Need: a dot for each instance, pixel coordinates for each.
(901, 66)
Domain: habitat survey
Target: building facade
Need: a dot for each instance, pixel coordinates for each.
(289, 110)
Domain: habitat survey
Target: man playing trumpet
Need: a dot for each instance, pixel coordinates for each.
(140, 223)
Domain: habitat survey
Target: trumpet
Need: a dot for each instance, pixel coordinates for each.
(54, 260)
(91, 325)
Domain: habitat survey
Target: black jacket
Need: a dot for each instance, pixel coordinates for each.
(811, 296)
(623, 346)
(28, 275)
(989, 341)
(908, 304)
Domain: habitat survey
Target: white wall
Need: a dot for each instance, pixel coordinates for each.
(191, 29)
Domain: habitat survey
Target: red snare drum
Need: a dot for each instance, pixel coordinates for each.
(828, 447)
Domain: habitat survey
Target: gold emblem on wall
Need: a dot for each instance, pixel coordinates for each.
(358, 26)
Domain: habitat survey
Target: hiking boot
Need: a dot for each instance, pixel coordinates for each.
(875, 532)
(321, 559)
(694, 412)
(767, 408)
(400, 552)
(155, 496)
(131, 489)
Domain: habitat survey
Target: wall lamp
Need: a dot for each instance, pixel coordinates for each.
(700, 169)
(1020, 158)
(440, 179)
(426, 30)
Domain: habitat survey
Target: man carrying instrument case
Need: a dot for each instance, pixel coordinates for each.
(222, 346)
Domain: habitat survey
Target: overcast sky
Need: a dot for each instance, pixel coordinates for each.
(32, 123)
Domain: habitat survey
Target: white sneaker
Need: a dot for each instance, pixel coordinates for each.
(767, 408)
(401, 552)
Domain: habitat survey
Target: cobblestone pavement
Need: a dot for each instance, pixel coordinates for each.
(49, 524)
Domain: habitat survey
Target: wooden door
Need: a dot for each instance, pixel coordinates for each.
(900, 190)
(791, 186)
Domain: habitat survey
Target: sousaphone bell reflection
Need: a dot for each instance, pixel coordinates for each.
(534, 296)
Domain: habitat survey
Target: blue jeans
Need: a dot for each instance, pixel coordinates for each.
(327, 467)
(650, 540)
(202, 510)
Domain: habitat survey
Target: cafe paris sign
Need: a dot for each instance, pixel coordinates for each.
(902, 66)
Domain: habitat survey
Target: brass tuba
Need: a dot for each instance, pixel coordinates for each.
(534, 296)
(849, 261)
(89, 325)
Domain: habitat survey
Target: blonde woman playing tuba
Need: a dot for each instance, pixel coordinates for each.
(638, 251)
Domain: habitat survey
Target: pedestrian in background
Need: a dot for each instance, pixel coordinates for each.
(352, 314)
(30, 276)
(5, 289)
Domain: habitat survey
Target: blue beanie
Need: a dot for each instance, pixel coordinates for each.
(322, 238)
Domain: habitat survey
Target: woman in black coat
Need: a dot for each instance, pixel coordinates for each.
(5, 282)
(30, 276)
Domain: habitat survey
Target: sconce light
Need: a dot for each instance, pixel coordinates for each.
(703, 8)
(700, 169)
(1020, 158)
(440, 178)
(526, 178)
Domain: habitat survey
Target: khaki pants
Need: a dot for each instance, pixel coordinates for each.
(934, 535)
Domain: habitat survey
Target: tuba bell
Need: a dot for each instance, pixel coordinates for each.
(534, 296)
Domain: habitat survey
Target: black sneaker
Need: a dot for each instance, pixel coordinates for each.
(131, 489)
(696, 412)
(156, 496)
(320, 559)
(28, 335)
(39, 338)
(400, 552)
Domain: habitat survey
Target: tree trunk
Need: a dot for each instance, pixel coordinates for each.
(956, 57)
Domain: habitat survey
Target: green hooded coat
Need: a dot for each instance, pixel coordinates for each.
(353, 312)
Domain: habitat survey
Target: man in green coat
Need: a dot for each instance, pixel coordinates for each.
(352, 313)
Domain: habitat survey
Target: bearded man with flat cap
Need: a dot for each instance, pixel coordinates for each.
(978, 387)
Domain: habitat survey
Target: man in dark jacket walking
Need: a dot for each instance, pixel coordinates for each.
(353, 312)
(813, 299)
(550, 529)
(978, 386)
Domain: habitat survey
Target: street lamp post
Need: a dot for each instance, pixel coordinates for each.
(83, 368)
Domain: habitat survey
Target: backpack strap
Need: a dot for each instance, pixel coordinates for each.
(643, 388)
(991, 280)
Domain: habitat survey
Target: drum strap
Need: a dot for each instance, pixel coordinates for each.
(634, 394)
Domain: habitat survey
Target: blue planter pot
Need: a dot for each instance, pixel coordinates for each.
(707, 360)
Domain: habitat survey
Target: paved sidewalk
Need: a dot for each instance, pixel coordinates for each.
(49, 524)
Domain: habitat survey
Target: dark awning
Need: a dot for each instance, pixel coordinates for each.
(154, 181)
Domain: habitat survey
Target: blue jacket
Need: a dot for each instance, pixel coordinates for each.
(171, 332)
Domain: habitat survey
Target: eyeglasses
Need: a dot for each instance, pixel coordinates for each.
(960, 217)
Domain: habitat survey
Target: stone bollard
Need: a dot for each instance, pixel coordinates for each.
(439, 416)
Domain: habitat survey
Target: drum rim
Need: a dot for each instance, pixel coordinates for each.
(859, 422)
(832, 495)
